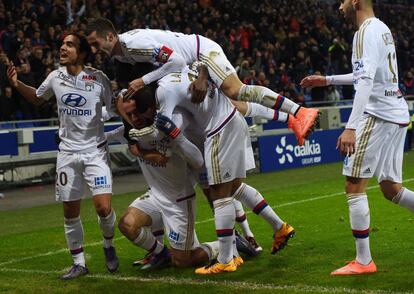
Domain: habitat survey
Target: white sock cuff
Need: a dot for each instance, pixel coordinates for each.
(238, 192)
(222, 202)
(109, 218)
(249, 109)
(396, 199)
(71, 221)
(352, 197)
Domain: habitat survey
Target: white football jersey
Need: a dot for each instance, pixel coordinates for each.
(155, 46)
(79, 101)
(374, 57)
(212, 114)
(171, 181)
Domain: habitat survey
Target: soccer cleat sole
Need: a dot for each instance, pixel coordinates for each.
(283, 245)
(312, 128)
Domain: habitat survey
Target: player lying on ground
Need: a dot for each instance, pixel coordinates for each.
(82, 158)
(171, 51)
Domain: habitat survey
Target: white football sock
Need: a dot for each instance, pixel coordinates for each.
(250, 197)
(360, 220)
(147, 241)
(211, 248)
(107, 225)
(235, 251)
(268, 98)
(257, 110)
(74, 239)
(224, 216)
(405, 198)
(241, 219)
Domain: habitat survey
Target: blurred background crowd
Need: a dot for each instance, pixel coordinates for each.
(274, 43)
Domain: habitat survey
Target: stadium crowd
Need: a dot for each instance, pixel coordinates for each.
(276, 44)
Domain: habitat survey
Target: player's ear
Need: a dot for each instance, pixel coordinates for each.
(356, 3)
(110, 37)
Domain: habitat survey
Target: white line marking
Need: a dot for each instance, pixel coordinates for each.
(16, 260)
(205, 282)
(307, 200)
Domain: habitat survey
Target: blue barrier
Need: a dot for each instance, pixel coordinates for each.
(43, 140)
(282, 152)
(345, 113)
(8, 143)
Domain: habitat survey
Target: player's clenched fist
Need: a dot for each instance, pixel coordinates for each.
(167, 126)
(12, 75)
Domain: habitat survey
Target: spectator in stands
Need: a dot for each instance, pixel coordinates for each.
(7, 104)
(409, 83)
(268, 36)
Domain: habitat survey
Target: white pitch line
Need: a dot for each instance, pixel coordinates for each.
(16, 260)
(197, 282)
(307, 200)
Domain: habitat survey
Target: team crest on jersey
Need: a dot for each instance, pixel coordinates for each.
(89, 86)
(162, 54)
(89, 77)
(66, 78)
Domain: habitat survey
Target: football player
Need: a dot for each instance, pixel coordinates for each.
(80, 92)
(171, 51)
(373, 139)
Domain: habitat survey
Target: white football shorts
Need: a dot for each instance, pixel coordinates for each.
(73, 170)
(379, 151)
(212, 55)
(225, 152)
(178, 218)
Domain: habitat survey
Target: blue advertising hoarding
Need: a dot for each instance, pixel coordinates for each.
(282, 152)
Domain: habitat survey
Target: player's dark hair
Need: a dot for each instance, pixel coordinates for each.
(145, 98)
(84, 46)
(102, 26)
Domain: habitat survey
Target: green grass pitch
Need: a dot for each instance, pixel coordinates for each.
(33, 249)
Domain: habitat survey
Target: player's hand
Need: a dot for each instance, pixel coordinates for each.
(12, 75)
(313, 81)
(134, 87)
(198, 89)
(167, 126)
(346, 142)
(155, 157)
(134, 149)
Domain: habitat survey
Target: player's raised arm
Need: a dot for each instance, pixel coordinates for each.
(313, 81)
(28, 92)
(169, 62)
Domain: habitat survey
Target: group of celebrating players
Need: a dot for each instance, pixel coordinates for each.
(184, 121)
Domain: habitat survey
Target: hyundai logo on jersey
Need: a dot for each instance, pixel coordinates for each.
(73, 99)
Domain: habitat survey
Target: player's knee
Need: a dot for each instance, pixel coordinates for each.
(354, 185)
(127, 226)
(389, 190)
(103, 209)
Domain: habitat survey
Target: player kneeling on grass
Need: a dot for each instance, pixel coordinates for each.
(82, 158)
(171, 198)
(225, 136)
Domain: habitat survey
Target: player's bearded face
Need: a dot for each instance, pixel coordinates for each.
(99, 43)
(348, 10)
